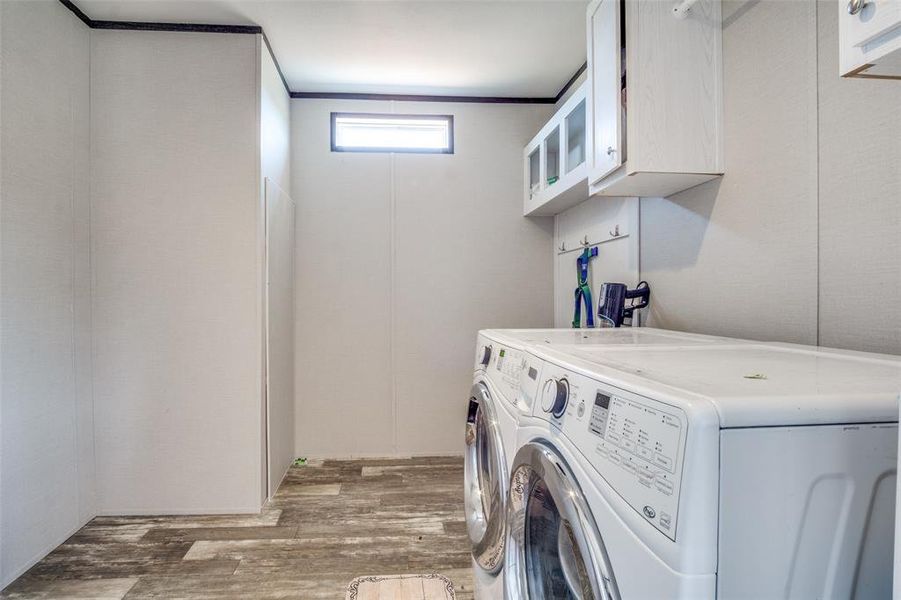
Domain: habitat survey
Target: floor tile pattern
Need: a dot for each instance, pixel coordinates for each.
(331, 521)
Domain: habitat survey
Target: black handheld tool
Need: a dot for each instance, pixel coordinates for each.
(612, 307)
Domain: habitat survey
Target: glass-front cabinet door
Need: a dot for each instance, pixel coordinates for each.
(574, 126)
(552, 157)
(605, 76)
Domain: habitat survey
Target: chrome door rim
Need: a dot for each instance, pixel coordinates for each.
(486, 484)
(538, 462)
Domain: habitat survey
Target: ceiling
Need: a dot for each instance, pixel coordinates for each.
(519, 48)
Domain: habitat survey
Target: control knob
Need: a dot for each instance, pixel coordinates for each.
(486, 356)
(555, 396)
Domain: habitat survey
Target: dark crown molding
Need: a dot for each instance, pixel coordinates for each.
(182, 27)
(422, 98)
(572, 80)
(256, 29)
(195, 27)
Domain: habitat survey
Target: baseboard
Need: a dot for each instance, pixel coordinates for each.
(375, 456)
(157, 512)
(281, 480)
(8, 579)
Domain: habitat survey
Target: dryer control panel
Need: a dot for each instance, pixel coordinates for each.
(635, 443)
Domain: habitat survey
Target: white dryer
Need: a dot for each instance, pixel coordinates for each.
(707, 471)
(492, 418)
(500, 402)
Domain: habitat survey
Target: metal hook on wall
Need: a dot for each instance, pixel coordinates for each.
(615, 232)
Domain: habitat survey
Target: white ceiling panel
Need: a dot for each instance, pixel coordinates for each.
(465, 47)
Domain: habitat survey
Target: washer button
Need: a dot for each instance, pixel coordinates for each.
(664, 486)
(663, 461)
(665, 520)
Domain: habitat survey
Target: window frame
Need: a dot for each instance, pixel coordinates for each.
(449, 119)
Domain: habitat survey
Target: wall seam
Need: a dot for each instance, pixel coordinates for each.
(92, 260)
(95, 497)
(73, 312)
(816, 137)
(392, 295)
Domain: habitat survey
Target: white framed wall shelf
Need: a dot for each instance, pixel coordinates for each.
(655, 96)
(555, 173)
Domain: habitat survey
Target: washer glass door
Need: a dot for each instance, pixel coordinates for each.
(485, 481)
(555, 550)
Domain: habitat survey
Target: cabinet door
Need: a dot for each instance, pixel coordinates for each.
(868, 30)
(604, 72)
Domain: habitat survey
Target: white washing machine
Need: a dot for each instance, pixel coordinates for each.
(706, 471)
(499, 404)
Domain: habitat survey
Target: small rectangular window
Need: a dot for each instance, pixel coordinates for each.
(360, 132)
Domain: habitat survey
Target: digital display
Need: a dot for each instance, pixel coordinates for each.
(533, 373)
(597, 424)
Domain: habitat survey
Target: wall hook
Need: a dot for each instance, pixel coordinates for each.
(563, 247)
(680, 11)
(585, 241)
(615, 232)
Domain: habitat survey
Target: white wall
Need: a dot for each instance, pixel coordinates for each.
(799, 241)
(177, 271)
(617, 259)
(859, 193)
(401, 259)
(737, 256)
(275, 148)
(46, 438)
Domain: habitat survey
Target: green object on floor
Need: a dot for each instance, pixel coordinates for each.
(300, 462)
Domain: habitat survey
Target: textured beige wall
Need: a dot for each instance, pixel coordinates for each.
(275, 151)
(860, 203)
(46, 440)
(790, 244)
(177, 271)
(400, 261)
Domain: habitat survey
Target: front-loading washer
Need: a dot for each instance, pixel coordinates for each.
(719, 471)
(500, 402)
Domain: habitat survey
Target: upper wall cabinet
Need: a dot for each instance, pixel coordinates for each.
(556, 172)
(870, 38)
(655, 89)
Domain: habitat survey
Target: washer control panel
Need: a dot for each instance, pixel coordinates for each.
(504, 367)
(635, 443)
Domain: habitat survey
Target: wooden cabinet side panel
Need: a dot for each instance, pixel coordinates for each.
(675, 91)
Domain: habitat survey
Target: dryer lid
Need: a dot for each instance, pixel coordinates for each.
(755, 384)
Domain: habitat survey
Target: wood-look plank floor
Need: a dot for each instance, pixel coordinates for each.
(330, 522)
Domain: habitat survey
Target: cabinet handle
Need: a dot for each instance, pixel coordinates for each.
(611, 150)
(855, 6)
